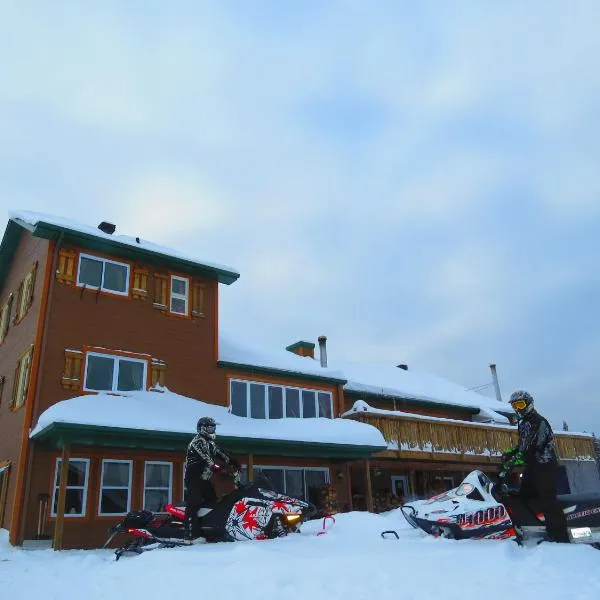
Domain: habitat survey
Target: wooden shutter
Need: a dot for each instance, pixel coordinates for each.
(5, 318)
(159, 371)
(161, 291)
(30, 286)
(198, 300)
(23, 370)
(71, 377)
(140, 282)
(16, 316)
(65, 273)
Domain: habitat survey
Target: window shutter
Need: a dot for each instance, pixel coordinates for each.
(5, 318)
(159, 371)
(161, 291)
(71, 377)
(140, 282)
(198, 298)
(30, 287)
(15, 389)
(65, 273)
(17, 314)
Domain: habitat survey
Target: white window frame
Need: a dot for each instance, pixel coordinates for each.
(116, 358)
(103, 261)
(114, 487)
(185, 297)
(248, 383)
(71, 487)
(284, 468)
(159, 462)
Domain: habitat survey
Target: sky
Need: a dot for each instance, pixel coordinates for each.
(419, 182)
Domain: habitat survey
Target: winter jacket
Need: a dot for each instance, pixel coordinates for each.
(201, 455)
(536, 440)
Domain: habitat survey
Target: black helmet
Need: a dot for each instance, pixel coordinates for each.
(522, 402)
(207, 427)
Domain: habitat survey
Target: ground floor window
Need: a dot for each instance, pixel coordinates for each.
(77, 487)
(158, 485)
(305, 483)
(115, 487)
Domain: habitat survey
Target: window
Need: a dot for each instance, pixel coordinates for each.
(101, 273)
(266, 401)
(179, 295)
(21, 382)
(111, 373)
(5, 318)
(304, 483)
(115, 487)
(77, 484)
(157, 485)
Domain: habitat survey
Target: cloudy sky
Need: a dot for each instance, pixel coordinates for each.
(419, 181)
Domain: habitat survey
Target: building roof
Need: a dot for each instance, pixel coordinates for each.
(51, 227)
(162, 414)
(369, 380)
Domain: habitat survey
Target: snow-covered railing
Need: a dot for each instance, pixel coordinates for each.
(410, 434)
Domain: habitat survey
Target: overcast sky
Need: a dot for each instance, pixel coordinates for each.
(419, 181)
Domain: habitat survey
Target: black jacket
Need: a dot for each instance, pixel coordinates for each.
(201, 456)
(536, 440)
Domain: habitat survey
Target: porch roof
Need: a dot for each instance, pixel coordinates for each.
(162, 420)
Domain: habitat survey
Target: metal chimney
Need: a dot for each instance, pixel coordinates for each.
(496, 386)
(323, 350)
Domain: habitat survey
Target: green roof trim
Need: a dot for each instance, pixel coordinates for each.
(50, 231)
(10, 242)
(300, 344)
(257, 370)
(57, 434)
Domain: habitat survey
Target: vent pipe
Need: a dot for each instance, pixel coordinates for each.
(496, 386)
(323, 350)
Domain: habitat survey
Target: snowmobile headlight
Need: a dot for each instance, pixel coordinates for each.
(291, 518)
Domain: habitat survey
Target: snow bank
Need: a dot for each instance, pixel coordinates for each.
(169, 412)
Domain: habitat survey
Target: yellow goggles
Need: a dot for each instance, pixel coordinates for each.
(519, 404)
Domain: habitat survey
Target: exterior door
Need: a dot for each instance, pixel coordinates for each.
(400, 486)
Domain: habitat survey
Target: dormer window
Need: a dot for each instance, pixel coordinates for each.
(179, 295)
(100, 273)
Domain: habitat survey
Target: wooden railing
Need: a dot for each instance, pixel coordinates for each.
(461, 440)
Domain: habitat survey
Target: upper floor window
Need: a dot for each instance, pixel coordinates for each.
(267, 401)
(112, 373)
(179, 295)
(104, 274)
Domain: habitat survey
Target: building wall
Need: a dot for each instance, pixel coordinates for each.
(91, 531)
(20, 336)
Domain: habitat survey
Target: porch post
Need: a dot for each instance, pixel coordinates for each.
(250, 467)
(348, 476)
(368, 489)
(62, 496)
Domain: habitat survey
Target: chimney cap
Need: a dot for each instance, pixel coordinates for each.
(107, 227)
(322, 338)
(300, 344)
(405, 367)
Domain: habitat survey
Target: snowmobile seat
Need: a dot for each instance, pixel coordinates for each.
(579, 499)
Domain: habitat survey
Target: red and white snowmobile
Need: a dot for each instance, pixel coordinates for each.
(252, 512)
(481, 509)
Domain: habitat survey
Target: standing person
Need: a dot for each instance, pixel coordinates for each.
(200, 464)
(536, 450)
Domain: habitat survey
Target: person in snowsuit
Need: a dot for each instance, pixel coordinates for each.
(536, 452)
(200, 464)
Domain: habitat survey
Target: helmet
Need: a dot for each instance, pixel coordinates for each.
(207, 427)
(522, 402)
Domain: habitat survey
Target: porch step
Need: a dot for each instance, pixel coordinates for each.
(37, 544)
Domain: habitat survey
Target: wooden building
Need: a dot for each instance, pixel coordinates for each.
(109, 353)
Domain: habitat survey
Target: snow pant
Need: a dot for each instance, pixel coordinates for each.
(200, 492)
(539, 484)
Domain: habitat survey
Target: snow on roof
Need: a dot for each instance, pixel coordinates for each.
(165, 411)
(33, 219)
(381, 380)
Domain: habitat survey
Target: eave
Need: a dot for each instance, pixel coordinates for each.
(275, 372)
(57, 434)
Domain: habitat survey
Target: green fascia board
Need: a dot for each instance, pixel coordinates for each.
(470, 410)
(301, 344)
(57, 434)
(257, 370)
(10, 242)
(50, 231)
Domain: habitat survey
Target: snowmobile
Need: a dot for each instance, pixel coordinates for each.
(254, 511)
(481, 509)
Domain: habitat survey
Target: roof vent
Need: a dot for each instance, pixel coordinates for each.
(107, 227)
(405, 367)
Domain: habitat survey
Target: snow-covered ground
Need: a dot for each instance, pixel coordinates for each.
(350, 562)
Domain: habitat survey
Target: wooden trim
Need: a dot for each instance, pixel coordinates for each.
(250, 467)
(19, 500)
(4, 489)
(348, 477)
(368, 486)
(60, 503)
